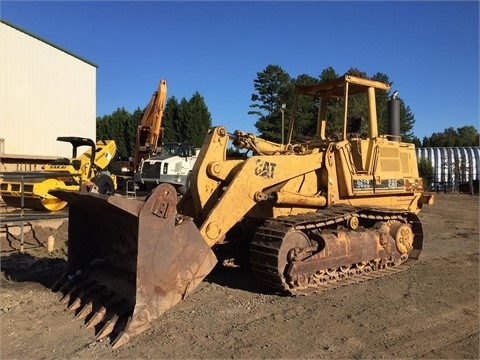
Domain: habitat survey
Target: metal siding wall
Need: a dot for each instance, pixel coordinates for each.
(475, 158)
(453, 165)
(44, 93)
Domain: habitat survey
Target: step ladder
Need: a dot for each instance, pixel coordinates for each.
(131, 189)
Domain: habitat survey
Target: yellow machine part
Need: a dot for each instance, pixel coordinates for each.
(35, 194)
(64, 174)
(105, 151)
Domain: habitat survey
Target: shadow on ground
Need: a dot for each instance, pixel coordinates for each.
(25, 267)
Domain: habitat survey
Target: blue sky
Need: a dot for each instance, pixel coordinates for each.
(430, 50)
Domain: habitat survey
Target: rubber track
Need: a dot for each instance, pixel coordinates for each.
(269, 236)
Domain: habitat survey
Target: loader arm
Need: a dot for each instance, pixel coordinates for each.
(224, 191)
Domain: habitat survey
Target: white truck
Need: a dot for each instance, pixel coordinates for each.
(172, 165)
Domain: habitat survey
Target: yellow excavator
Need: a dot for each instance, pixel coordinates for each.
(30, 189)
(311, 215)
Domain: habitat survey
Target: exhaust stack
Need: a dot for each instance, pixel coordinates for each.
(394, 116)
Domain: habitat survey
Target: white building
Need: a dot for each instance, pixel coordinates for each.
(452, 165)
(45, 92)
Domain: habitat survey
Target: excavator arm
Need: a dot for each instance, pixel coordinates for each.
(149, 131)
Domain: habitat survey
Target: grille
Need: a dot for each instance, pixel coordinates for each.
(151, 170)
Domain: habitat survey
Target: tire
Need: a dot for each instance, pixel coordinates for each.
(105, 185)
(182, 190)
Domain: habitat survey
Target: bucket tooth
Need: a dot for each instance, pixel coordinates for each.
(65, 287)
(117, 311)
(76, 288)
(96, 296)
(120, 340)
(69, 294)
(108, 327)
(96, 317)
(85, 310)
(75, 304)
(84, 297)
(78, 296)
(65, 299)
(100, 314)
(114, 318)
(70, 284)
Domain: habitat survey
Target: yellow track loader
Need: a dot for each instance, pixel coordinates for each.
(30, 189)
(317, 213)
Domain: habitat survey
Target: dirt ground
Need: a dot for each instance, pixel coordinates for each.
(428, 311)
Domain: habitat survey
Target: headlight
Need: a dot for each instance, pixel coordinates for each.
(165, 168)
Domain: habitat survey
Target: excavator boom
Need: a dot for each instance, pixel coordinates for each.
(149, 131)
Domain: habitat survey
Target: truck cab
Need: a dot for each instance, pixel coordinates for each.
(172, 165)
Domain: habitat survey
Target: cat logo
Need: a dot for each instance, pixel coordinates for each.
(265, 169)
(58, 166)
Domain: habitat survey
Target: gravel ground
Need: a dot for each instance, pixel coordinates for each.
(428, 311)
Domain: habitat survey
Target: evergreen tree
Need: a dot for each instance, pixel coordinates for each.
(468, 136)
(426, 171)
(273, 87)
(130, 131)
(381, 99)
(113, 127)
(328, 74)
(170, 118)
(200, 120)
(185, 115)
(407, 121)
(450, 137)
(306, 113)
(335, 107)
(426, 141)
(416, 141)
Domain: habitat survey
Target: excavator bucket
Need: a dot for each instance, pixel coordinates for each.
(129, 261)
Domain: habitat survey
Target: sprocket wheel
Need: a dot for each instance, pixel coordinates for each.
(293, 242)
